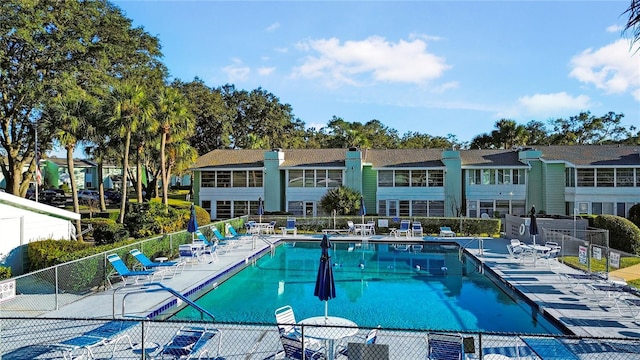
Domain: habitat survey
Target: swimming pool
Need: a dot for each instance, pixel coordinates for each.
(425, 289)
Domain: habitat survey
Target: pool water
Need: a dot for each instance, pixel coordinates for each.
(375, 285)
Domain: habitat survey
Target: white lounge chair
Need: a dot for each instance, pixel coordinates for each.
(291, 227)
(446, 231)
(416, 229)
(405, 228)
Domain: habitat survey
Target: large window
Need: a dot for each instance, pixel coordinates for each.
(410, 178)
(419, 208)
(569, 177)
(488, 176)
(605, 177)
(255, 178)
(208, 179)
(585, 178)
(223, 209)
(405, 208)
(518, 177)
(296, 208)
(239, 179)
(223, 179)
(504, 176)
(496, 176)
(335, 178)
(296, 178)
(315, 178)
(624, 177)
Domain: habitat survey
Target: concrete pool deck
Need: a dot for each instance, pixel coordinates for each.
(542, 286)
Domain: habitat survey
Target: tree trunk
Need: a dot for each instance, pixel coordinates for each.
(103, 205)
(165, 180)
(74, 190)
(125, 166)
(139, 173)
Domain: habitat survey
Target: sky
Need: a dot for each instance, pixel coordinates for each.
(433, 67)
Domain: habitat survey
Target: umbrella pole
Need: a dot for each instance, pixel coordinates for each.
(326, 309)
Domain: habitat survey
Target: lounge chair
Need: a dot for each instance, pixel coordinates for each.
(189, 254)
(189, 343)
(293, 350)
(445, 347)
(110, 333)
(405, 228)
(416, 229)
(234, 233)
(121, 270)
(147, 264)
(291, 227)
(224, 240)
(445, 231)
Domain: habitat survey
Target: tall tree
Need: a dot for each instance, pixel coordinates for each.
(585, 128)
(175, 120)
(128, 106)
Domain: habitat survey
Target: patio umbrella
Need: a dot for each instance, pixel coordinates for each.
(533, 225)
(325, 286)
(363, 209)
(260, 209)
(192, 226)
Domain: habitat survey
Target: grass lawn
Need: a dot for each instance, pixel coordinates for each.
(601, 265)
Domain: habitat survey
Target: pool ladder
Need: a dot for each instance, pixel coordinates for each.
(146, 288)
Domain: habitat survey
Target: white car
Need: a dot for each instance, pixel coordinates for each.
(88, 195)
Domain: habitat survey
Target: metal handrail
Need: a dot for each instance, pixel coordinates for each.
(144, 289)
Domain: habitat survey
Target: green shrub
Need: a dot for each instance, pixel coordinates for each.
(634, 214)
(46, 253)
(5, 273)
(109, 232)
(623, 234)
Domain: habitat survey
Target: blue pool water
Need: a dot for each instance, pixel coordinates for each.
(430, 289)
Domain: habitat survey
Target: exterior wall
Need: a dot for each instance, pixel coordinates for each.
(369, 185)
(452, 182)
(553, 188)
(353, 173)
(535, 184)
(273, 181)
(23, 221)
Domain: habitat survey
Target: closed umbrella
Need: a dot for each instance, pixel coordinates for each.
(363, 209)
(533, 225)
(325, 286)
(260, 209)
(192, 226)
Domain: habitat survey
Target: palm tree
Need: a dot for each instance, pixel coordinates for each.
(176, 122)
(128, 106)
(633, 23)
(69, 115)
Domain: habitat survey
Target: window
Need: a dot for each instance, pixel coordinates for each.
(295, 207)
(385, 178)
(206, 204)
(436, 178)
(382, 208)
(488, 177)
(223, 179)
(585, 177)
(436, 208)
(404, 208)
(223, 209)
(295, 178)
(502, 207)
(475, 177)
(239, 179)
(596, 208)
(335, 178)
(624, 177)
(504, 176)
(569, 177)
(486, 207)
(240, 208)
(255, 178)
(321, 178)
(208, 179)
(419, 208)
(418, 178)
(309, 178)
(518, 177)
(401, 178)
(605, 177)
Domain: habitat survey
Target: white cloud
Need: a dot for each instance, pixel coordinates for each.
(612, 68)
(371, 60)
(614, 29)
(547, 104)
(446, 86)
(264, 71)
(272, 27)
(237, 71)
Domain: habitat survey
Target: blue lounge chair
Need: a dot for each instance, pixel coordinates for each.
(416, 229)
(189, 343)
(110, 333)
(147, 264)
(371, 338)
(189, 253)
(123, 272)
(291, 227)
(224, 240)
(405, 228)
(446, 231)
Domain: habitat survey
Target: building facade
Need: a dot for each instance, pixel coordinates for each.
(563, 180)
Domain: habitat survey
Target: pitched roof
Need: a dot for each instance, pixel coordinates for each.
(593, 155)
(418, 158)
(490, 158)
(224, 158)
(314, 157)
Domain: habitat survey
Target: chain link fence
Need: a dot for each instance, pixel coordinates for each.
(37, 338)
(589, 250)
(51, 288)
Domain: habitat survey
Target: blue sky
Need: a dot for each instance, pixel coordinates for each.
(435, 67)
